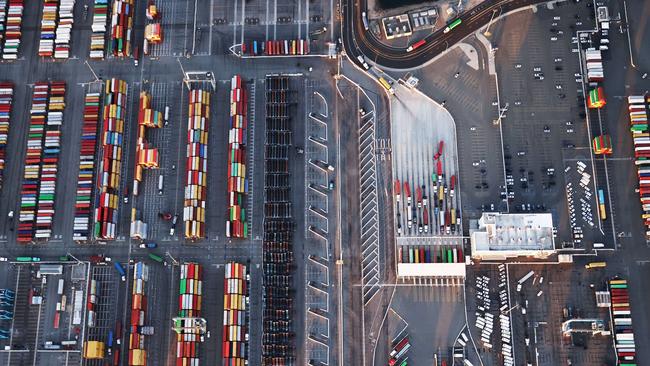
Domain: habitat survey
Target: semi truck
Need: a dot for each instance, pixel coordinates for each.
(120, 270)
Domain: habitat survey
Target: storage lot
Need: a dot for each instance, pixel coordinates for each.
(544, 128)
(35, 324)
(562, 288)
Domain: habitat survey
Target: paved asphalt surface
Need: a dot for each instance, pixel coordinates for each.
(162, 77)
(359, 42)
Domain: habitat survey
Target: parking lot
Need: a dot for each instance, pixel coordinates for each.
(553, 295)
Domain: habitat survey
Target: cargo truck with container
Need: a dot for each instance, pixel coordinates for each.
(120, 270)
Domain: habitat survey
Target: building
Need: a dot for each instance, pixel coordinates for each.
(497, 236)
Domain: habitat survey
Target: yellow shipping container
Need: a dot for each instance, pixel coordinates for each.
(138, 357)
(93, 350)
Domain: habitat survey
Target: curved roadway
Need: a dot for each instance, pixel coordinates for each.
(357, 42)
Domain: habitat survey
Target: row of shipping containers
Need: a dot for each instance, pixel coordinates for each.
(276, 48)
(430, 254)
(189, 306)
(277, 346)
(83, 199)
(235, 315)
(91, 303)
(236, 225)
(638, 112)
(6, 100)
(108, 180)
(64, 29)
(98, 27)
(594, 60)
(137, 352)
(146, 158)
(41, 162)
(48, 28)
(197, 164)
(12, 30)
(3, 20)
(622, 322)
(56, 28)
(122, 27)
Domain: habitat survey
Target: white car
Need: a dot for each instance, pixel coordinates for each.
(537, 69)
(518, 66)
(558, 60)
(553, 38)
(3, 259)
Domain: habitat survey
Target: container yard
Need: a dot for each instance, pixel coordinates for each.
(41, 164)
(197, 164)
(6, 100)
(121, 27)
(236, 225)
(189, 325)
(12, 29)
(107, 201)
(98, 27)
(235, 315)
(637, 107)
(87, 164)
(277, 344)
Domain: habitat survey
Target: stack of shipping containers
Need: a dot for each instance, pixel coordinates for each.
(277, 47)
(197, 164)
(430, 254)
(64, 29)
(3, 20)
(50, 161)
(137, 353)
(91, 303)
(189, 306)
(121, 27)
(235, 315)
(111, 164)
(277, 346)
(622, 323)
(602, 145)
(236, 225)
(48, 28)
(13, 30)
(637, 108)
(31, 177)
(594, 60)
(6, 99)
(98, 37)
(146, 157)
(84, 196)
(41, 163)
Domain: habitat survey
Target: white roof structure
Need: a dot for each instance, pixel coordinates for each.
(500, 236)
(431, 270)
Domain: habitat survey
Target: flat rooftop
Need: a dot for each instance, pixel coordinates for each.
(513, 233)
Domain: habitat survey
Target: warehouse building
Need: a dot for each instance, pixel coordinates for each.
(497, 236)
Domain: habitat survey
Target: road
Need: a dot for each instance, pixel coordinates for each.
(357, 41)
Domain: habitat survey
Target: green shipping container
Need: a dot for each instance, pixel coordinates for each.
(183, 286)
